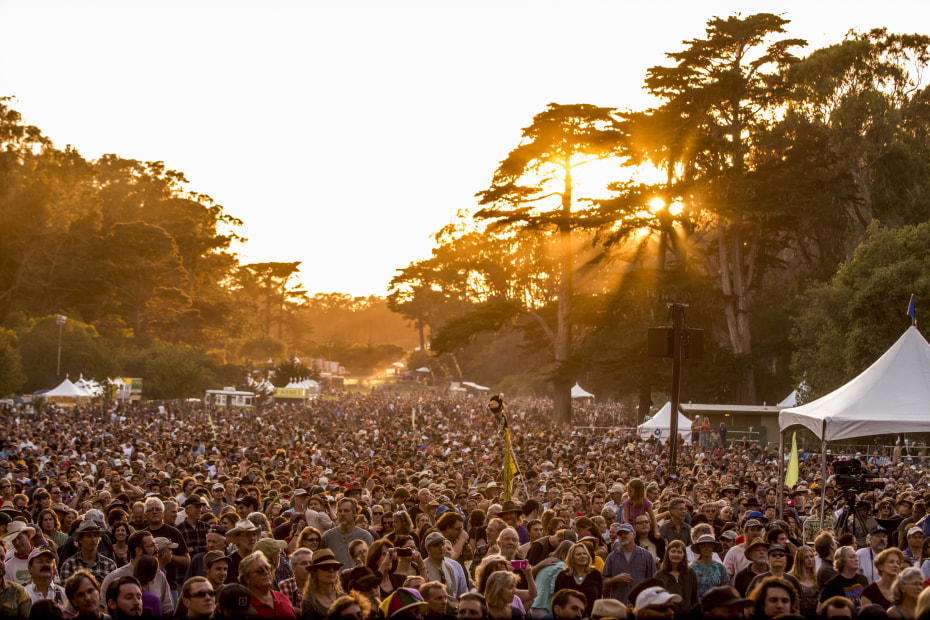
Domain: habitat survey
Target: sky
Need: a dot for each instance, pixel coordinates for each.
(344, 134)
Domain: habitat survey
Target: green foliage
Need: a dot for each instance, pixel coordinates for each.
(178, 371)
(847, 323)
(11, 366)
(82, 352)
(456, 332)
(261, 348)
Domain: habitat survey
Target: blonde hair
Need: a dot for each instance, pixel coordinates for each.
(494, 591)
(800, 570)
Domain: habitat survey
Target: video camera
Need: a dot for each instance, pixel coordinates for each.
(850, 476)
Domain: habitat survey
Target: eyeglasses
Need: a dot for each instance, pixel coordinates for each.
(202, 594)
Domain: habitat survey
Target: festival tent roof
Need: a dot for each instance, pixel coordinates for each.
(67, 389)
(661, 422)
(475, 386)
(791, 400)
(579, 392)
(890, 396)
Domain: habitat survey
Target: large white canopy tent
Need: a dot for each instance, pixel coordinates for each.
(890, 396)
(661, 425)
(580, 392)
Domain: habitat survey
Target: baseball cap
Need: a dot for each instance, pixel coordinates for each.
(625, 527)
(655, 596)
(235, 599)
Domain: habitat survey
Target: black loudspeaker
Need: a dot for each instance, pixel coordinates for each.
(660, 342)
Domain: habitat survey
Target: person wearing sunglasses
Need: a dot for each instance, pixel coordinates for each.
(656, 602)
(199, 598)
(323, 585)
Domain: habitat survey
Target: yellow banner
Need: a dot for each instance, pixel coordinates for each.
(290, 393)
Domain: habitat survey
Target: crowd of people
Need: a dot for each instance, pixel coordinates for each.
(391, 506)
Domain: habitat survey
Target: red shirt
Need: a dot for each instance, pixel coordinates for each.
(282, 607)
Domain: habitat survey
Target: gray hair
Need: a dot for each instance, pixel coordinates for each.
(246, 563)
(154, 502)
(906, 575)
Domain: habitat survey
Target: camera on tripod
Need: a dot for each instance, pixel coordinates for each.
(851, 477)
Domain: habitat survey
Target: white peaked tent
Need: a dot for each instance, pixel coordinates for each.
(68, 390)
(580, 392)
(890, 396)
(791, 400)
(660, 425)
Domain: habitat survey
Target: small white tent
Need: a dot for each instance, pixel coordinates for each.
(660, 425)
(890, 396)
(580, 392)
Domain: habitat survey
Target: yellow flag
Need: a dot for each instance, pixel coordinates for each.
(791, 476)
(510, 467)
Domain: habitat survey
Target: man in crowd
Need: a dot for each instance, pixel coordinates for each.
(877, 542)
(215, 541)
(198, 596)
(192, 529)
(338, 538)
(143, 543)
(42, 575)
(124, 598)
(626, 565)
(293, 588)
(243, 536)
(180, 558)
(675, 527)
(83, 593)
(87, 558)
(736, 558)
(568, 604)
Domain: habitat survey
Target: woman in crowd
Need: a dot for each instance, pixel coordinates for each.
(805, 571)
(545, 579)
(322, 587)
(906, 591)
(310, 538)
(678, 577)
(499, 594)
(888, 564)
(579, 574)
(119, 534)
(48, 524)
(710, 573)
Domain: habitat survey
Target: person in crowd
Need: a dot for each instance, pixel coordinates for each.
(877, 541)
(42, 577)
(804, 570)
(906, 592)
(244, 536)
(145, 570)
(756, 552)
(579, 574)
(323, 586)
(777, 560)
(14, 600)
(838, 608)
(352, 606)
(848, 582)
(545, 580)
(124, 598)
(472, 606)
(141, 543)
(679, 578)
(626, 565)
(500, 591)
(825, 546)
(198, 599)
(338, 538)
(710, 573)
(87, 535)
(774, 597)
(256, 574)
(656, 602)
(438, 605)
(888, 564)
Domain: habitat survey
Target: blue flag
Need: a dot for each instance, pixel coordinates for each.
(912, 311)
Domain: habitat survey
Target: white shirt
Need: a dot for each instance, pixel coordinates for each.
(867, 564)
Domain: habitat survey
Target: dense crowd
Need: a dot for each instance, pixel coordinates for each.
(389, 506)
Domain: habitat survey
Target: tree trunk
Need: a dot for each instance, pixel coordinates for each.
(562, 384)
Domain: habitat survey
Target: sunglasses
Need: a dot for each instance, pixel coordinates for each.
(202, 594)
(329, 568)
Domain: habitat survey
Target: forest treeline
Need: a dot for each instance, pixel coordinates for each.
(141, 267)
(791, 216)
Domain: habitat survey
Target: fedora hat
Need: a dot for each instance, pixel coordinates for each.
(324, 557)
(511, 506)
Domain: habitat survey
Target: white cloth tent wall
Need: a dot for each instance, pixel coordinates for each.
(890, 396)
(660, 425)
(580, 392)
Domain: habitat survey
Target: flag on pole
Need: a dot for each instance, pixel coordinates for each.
(791, 476)
(510, 467)
(912, 311)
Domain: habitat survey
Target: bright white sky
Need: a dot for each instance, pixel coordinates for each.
(345, 133)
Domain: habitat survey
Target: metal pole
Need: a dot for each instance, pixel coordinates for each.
(677, 320)
(823, 472)
(60, 319)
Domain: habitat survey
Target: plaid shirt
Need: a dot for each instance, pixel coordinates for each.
(103, 567)
(289, 588)
(195, 536)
